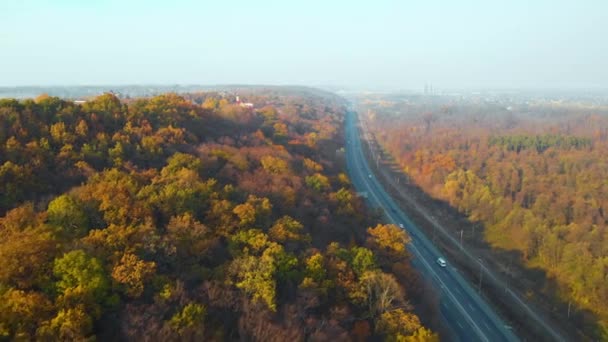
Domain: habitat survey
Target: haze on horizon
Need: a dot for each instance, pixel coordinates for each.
(380, 44)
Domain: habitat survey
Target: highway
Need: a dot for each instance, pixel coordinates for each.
(467, 315)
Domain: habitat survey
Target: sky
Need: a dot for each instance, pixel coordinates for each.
(355, 44)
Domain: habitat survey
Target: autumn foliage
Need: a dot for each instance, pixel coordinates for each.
(189, 218)
(534, 175)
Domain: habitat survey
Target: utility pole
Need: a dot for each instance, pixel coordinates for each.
(569, 304)
(461, 231)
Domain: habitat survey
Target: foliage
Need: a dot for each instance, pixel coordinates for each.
(191, 315)
(133, 272)
(390, 238)
(80, 275)
(535, 178)
(162, 219)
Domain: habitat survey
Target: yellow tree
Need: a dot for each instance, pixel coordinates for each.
(390, 239)
(132, 273)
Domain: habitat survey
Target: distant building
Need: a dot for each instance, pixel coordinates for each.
(243, 104)
(80, 102)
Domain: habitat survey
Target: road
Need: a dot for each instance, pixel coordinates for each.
(467, 315)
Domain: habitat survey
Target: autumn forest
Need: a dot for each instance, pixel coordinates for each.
(531, 175)
(192, 217)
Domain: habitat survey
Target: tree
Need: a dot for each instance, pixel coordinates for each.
(362, 260)
(287, 229)
(179, 161)
(270, 114)
(26, 256)
(187, 239)
(255, 276)
(274, 165)
(315, 271)
(317, 182)
(132, 273)
(398, 325)
(73, 324)
(68, 213)
(82, 129)
(389, 238)
(210, 103)
(19, 219)
(254, 239)
(382, 292)
(255, 210)
(21, 313)
(345, 201)
(189, 321)
(246, 213)
(80, 277)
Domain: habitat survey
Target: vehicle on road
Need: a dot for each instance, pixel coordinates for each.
(441, 262)
(370, 175)
(401, 225)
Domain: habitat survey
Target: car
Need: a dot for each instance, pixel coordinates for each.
(401, 225)
(370, 175)
(441, 262)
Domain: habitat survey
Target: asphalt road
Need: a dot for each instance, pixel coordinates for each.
(467, 315)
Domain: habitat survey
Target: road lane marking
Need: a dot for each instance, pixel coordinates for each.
(432, 270)
(534, 315)
(375, 196)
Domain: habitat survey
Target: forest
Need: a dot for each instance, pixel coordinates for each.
(194, 218)
(533, 174)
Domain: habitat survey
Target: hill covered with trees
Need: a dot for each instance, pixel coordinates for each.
(533, 174)
(193, 218)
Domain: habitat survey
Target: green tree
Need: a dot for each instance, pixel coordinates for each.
(68, 213)
(81, 276)
(189, 320)
(73, 324)
(317, 182)
(362, 260)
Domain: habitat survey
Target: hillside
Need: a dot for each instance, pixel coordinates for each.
(193, 218)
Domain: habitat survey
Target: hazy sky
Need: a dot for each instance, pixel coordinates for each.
(379, 43)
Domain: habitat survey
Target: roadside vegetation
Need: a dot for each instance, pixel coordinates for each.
(533, 175)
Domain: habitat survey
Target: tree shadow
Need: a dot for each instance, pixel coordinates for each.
(531, 284)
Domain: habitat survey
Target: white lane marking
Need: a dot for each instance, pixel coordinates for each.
(461, 327)
(471, 306)
(429, 267)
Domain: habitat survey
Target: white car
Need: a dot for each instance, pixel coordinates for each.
(370, 175)
(441, 262)
(401, 225)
